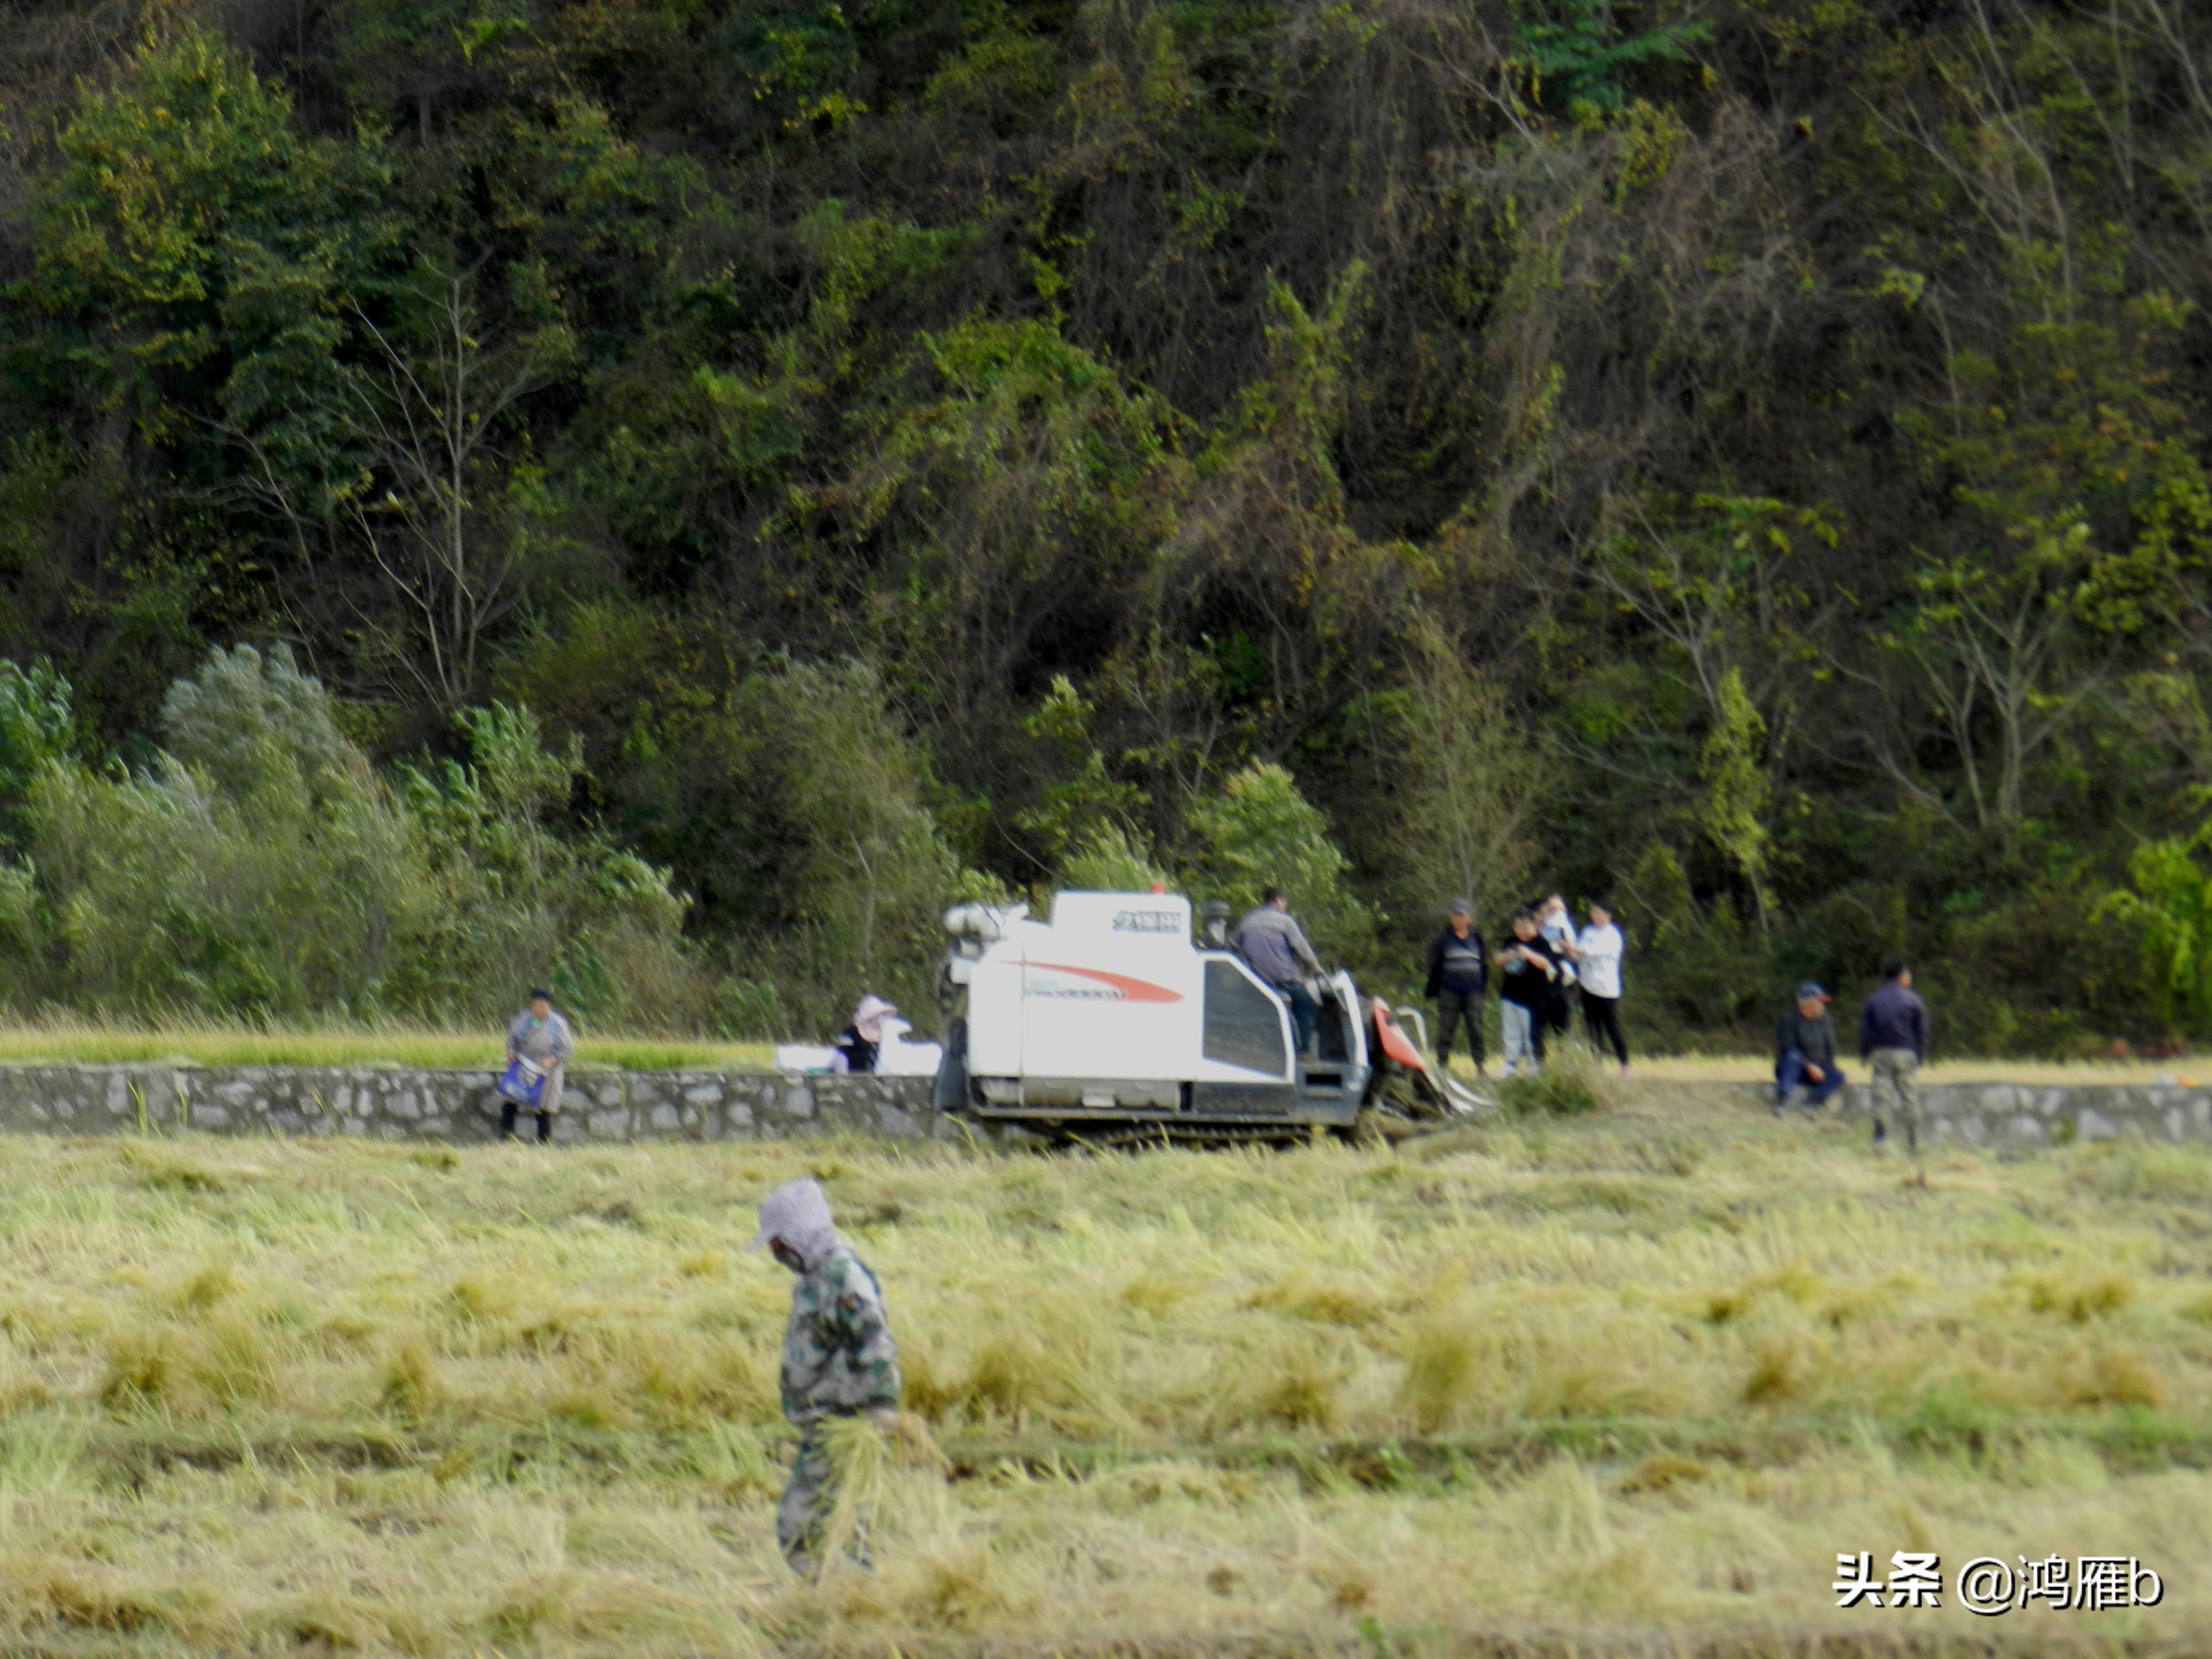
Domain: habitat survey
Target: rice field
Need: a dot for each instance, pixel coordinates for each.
(1624, 1383)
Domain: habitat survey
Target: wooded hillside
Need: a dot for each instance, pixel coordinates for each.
(1746, 457)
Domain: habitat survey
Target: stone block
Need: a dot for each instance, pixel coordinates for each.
(666, 1119)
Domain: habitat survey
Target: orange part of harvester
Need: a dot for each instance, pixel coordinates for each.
(1395, 1042)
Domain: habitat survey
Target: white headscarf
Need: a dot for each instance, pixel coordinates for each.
(797, 1212)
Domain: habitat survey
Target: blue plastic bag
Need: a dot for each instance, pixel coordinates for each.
(523, 1083)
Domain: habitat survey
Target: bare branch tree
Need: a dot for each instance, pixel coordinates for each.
(427, 417)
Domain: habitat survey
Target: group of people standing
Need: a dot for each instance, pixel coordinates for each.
(1545, 968)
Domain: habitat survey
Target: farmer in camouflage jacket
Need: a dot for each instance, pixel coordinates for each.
(839, 1359)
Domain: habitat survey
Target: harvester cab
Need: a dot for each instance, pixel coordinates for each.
(1108, 1021)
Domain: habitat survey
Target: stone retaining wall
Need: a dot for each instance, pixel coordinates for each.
(380, 1104)
(2021, 1114)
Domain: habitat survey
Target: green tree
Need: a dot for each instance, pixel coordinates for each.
(37, 729)
(208, 248)
(1258, 831)
(521, 897)
(2169, 899)
(1733, 810)
(1580, 44)
(263, 870)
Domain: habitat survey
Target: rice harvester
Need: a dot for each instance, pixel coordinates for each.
(1110, 1021)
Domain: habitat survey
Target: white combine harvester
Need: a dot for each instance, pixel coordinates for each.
(1110, 1023)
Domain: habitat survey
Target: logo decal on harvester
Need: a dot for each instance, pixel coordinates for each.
(1148, 921)
(1110, 987)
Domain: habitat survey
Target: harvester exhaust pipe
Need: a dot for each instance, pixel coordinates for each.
(1213, 923)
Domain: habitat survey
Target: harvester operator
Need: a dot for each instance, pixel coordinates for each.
(1276, 948)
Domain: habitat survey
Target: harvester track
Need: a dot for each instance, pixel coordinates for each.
(1385, 1124)
(1136, 1136)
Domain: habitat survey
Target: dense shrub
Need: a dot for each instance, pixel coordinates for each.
(261, 866)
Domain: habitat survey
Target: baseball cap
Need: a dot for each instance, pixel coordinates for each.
(1809, 992)
(1461, 907)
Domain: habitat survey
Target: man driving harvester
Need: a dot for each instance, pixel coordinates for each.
(1276, 948)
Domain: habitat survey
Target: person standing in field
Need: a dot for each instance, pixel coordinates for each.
(1526, 972)
(839, 1359)
(1275, 946)
(541, 1036)
(1805, 1051)
(1597, 960)
(1459, 970)
(1893, 1042)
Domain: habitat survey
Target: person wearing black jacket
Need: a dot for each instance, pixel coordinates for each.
(1805, 1051)
(1527, 968)
(1459, 971)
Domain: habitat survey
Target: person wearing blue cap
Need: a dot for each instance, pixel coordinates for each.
(1805, 1051)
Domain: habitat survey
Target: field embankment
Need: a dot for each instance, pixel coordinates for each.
(208, 1043)
(1625, 1384)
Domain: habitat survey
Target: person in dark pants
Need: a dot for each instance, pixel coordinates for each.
(1805, 1051)
(1459, 970)
(542, 1036)
(1275, 946)
(1558, 928)
(1597, 961)
(1526, 970)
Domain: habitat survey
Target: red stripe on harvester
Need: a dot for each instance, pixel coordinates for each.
(1133, 990)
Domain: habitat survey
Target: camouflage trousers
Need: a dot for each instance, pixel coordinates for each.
(1893, 1093)
(809, 1498)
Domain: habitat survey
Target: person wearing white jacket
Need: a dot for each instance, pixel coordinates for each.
(1597, 959)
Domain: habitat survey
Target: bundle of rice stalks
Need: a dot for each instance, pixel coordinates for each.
(860, 1463)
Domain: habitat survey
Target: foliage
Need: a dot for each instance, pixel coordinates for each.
(1578, 44)
(916, 453)
(1258, 832)
(1733, 810)
(519, 900)
(262, 867)
(1566, 1087)
(38, 728)
(2169, 899)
